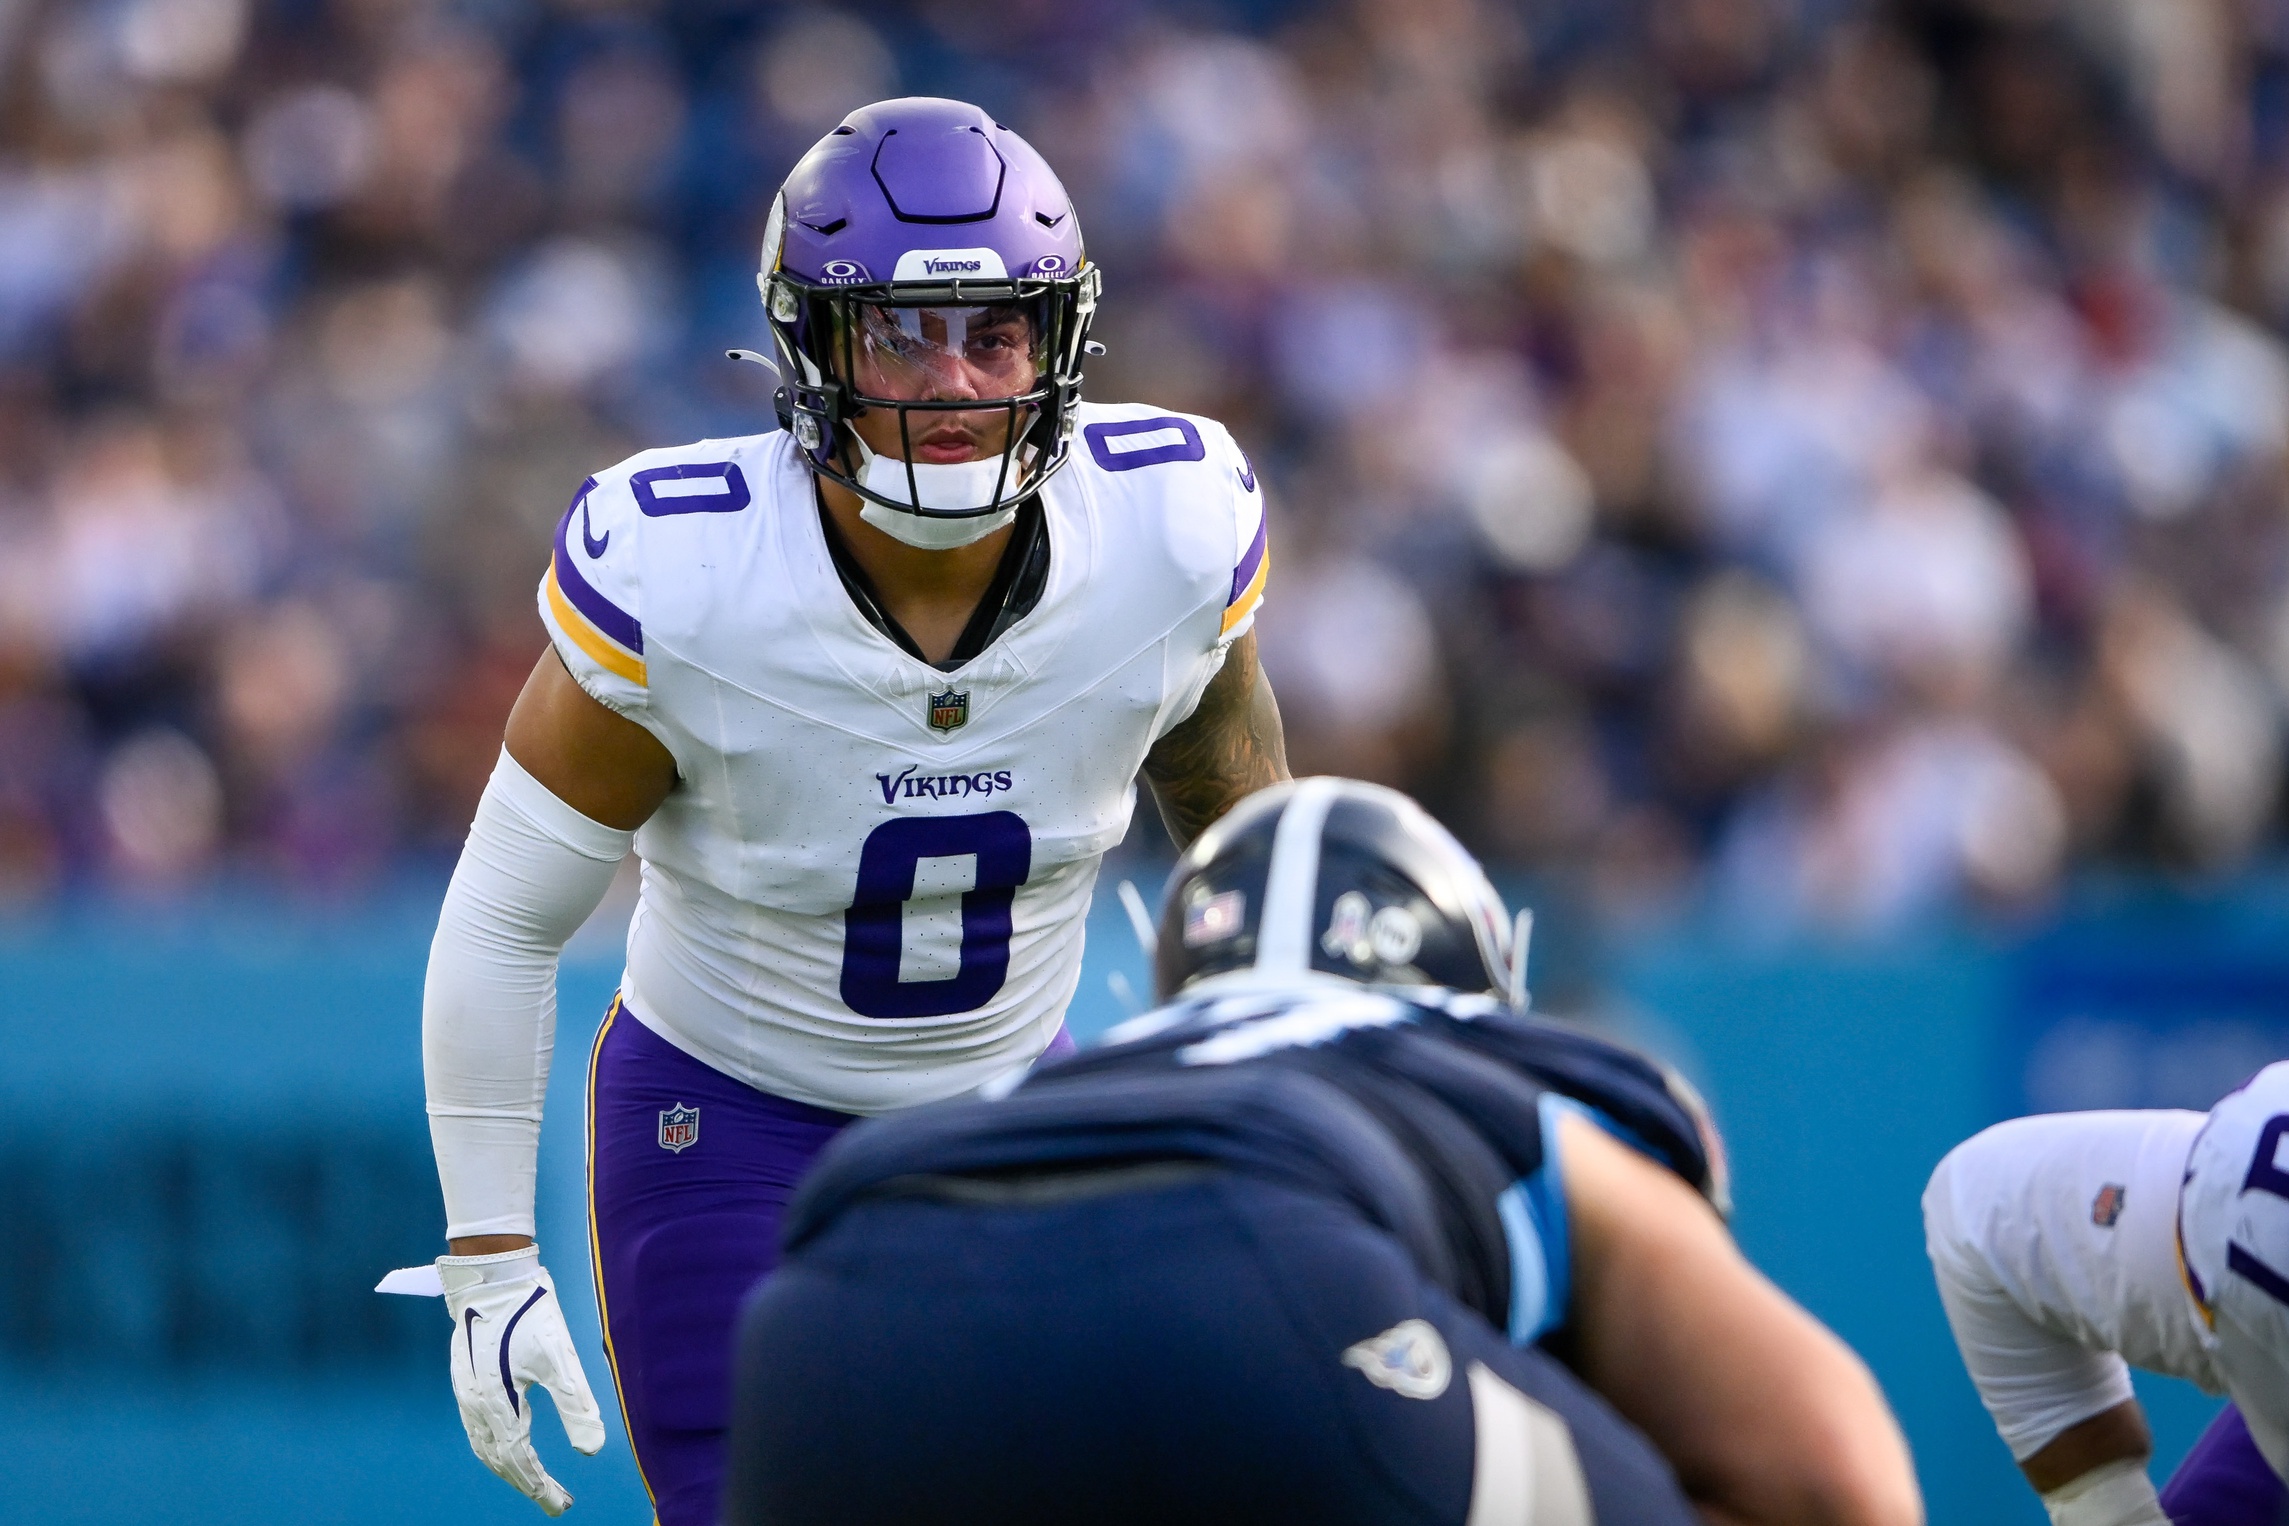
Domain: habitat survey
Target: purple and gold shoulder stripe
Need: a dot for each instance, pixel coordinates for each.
(1248, 579)
(610, 636)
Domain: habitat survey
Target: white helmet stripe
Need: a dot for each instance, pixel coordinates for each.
(1291, 884)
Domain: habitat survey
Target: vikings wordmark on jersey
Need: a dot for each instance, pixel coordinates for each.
(863, 892)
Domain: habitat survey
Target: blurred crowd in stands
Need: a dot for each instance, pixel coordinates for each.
(1823, 459)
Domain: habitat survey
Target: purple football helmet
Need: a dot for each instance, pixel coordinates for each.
(919, 232)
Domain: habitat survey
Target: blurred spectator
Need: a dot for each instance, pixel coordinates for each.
(1355, 662)
(1884, 825)
(1828, 458)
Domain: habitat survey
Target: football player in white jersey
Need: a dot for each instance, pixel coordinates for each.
(2073, 1246)
(868, 694)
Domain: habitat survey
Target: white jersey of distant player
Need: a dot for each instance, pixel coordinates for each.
(2068, 1245)
(867, 889)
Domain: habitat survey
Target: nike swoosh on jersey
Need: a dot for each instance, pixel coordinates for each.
(1247, 475)
(612, 638)
(593, 544)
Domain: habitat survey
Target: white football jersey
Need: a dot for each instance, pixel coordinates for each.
(2233, 1222)
(869, 886)
(2054, 1240)
(2070, 1245)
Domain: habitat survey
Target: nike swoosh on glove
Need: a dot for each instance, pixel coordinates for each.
(508, 1334)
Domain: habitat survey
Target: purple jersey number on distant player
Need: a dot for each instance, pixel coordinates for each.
(2264, 1176)
(874, 926)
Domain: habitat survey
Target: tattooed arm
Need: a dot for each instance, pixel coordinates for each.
(1230, 746)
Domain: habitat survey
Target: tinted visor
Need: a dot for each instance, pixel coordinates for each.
(912, 354)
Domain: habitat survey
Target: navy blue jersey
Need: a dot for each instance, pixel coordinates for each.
(1430, 1114)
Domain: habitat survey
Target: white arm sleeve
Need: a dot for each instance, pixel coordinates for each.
(2054, 1242)
(531, 872)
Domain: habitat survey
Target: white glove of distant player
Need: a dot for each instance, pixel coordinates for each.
(509, 1333)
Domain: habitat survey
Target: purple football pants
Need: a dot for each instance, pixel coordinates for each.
(689, 1172)
(2224, 1480)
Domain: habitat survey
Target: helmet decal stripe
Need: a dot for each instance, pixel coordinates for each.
(1291, 885)
(775, 237)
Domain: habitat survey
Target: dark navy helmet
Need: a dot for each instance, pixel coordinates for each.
(923, 232)
(1341, 878)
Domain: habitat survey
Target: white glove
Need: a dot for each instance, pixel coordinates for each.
(2116, 1494)
(509, 1333)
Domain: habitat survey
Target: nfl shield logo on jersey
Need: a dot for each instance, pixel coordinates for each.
(949, 710)
(679, 1128)
(1410, 1359)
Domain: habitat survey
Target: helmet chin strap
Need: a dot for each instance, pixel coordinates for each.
(952, 485)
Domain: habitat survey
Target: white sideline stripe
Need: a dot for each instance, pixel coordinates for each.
(1122, 444)
(717, 486)
(1291, 884)
(1525, 1472)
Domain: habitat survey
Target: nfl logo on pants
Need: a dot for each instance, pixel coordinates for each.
(679, 1128)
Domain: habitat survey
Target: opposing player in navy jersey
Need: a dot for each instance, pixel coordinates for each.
(1323, 1240)
(869, 695)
